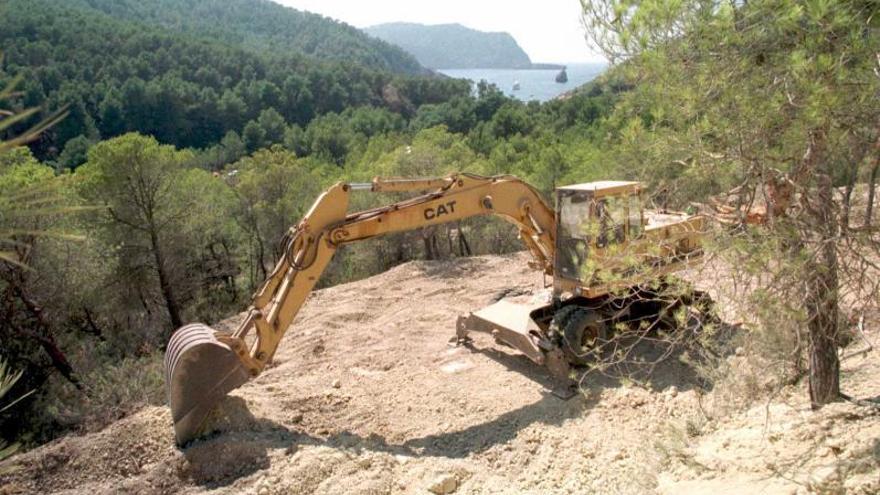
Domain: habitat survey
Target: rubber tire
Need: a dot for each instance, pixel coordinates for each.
(560, 320)
(579, 323)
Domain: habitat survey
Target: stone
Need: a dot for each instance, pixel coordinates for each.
(444, 484)
(825, 478)
(337, 383)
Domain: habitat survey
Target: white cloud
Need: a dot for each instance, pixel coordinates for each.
(548, 30)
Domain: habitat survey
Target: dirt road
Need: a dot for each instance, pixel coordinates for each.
(365, 396)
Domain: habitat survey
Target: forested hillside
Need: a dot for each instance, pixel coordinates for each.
(453, 46)
(116, 76)
(260, 24)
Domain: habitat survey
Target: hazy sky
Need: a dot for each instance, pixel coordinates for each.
(548, 30)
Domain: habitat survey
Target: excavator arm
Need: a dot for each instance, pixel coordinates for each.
(203, 365)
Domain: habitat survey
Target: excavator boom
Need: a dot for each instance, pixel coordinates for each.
(203, 365)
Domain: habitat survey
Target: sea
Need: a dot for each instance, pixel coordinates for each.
(534, 84)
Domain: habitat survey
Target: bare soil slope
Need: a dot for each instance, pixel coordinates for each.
(366, 397)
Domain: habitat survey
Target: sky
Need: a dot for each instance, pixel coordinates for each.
(549, 31)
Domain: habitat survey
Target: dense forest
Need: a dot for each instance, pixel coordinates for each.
(185, 156)
(262, 25)
(115, 75)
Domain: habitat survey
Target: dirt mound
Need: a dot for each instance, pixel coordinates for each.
(366, 397)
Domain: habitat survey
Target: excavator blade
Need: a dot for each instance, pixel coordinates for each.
(199, 371)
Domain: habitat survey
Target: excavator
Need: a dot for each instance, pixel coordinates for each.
(602, 249)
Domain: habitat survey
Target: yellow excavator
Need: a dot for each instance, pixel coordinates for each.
(602, 249)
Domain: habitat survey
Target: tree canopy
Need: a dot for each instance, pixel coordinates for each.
(778, 97)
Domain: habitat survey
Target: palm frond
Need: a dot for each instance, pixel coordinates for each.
(62, 236)
(34, 131)
(33, 202)
(12, 258)
(8, 91)
(9, 118)
(7, 450)
(8, 377)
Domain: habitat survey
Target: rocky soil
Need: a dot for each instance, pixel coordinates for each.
(366, 397)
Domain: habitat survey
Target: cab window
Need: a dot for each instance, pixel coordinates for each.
(635, 216)
(611, 214)
(572, 243)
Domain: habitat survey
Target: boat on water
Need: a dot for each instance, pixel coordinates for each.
(562, 77)
(516, 85)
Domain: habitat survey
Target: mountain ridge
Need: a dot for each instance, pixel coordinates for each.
(454, 46)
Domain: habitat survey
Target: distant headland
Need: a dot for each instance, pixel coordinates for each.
(453, 46)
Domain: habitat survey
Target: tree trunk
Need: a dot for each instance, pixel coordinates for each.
(42, 334)
(436, 244)
(824, 364)
(464, 247)
(164, 282)
(93, 327)
(822, 286)
(847, 196)
(449, 243)
(428, 240)
(261, 257)
(872, 184)
(872, 180)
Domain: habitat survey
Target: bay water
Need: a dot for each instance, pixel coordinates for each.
(534, 84)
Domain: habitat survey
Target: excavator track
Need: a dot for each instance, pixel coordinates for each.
(199, 371)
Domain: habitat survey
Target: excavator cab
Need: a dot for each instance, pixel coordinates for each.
(596, 222)
(609, 253)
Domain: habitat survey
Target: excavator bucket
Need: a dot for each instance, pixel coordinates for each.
(199, 371)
